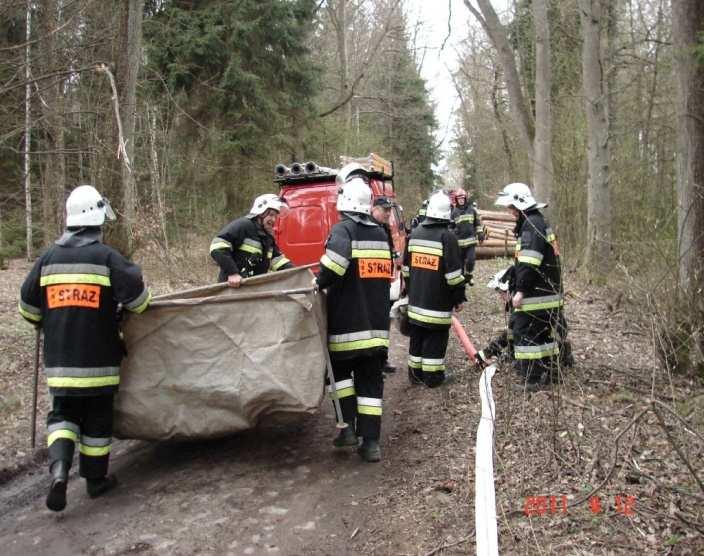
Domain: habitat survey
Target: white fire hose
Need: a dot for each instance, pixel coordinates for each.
(484, 494)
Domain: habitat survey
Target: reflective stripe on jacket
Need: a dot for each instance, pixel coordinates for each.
(467, 224)
(433, 270)
(356, 269)
(537, 266)
(73, 292)
(243, 247)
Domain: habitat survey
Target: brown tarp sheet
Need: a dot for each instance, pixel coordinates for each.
(214, 361)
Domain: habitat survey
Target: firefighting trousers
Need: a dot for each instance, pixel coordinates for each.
(468, 255)
(535, 346)
(88, 421)
(359, 384)
(426, 354)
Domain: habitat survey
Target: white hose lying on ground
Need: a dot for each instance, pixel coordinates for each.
(484, 495)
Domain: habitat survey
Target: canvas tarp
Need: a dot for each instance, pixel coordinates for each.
(213, 361)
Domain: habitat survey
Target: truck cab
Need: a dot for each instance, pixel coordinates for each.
(310, 193)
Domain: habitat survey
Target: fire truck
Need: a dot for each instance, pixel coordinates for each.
(310, 193)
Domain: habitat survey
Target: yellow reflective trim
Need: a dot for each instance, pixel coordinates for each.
(331, 265)
(28, 315)
(250, 249)
(536, 354)
(431, 320)
(141, 307)
(433, 368)
(346, 392)
(368, 410)
(74, 279)
(359, 344)
(94, 450)
(425, 250)
(82, 382)
(280, 263)
(529, 260)
(371, 254)
(220, 245)
(61, 433)
(540, 306)
(456, 280)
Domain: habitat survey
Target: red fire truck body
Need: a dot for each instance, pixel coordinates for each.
(310, 193)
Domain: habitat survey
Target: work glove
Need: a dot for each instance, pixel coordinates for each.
(482, 358)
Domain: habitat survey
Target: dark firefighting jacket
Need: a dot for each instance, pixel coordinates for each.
(356, 269)
(433, 270)
(467, 225)
(243, 247)
(73, 292)
(418, 218)
(537, 263)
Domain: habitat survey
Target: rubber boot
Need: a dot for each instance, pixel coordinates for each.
(413, 377)
(98, 487)
(388, 368)
(56, 499)
(370, 450)
(346, 437)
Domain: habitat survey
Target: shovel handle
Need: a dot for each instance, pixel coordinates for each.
(35, 386)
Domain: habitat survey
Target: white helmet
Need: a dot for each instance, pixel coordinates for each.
(496, 282)
(86, 207)
(439, 206)
(517, 195)
(265, 202)
(348, 171)
(354, 194)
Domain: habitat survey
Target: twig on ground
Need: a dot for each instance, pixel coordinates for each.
(677, 447)
(444, 546)
(680, 419)
(580, 501)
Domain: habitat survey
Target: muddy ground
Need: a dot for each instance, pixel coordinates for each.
(619, 445)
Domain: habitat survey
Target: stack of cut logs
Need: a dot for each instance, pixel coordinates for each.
(499, 241)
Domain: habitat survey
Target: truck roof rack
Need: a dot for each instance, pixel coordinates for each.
(373, 163)
(308, 172)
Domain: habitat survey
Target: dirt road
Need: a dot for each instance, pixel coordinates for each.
(596, 437)
(284, 491)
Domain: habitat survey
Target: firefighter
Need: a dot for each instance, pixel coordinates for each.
(355, 270)
(73, 292)
(537, 300)
(381, 212)
(435, 284)
(420, 215)
(468, 227)
(246, 246)
(503, 283)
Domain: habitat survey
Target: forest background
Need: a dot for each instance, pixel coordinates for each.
(178, 110)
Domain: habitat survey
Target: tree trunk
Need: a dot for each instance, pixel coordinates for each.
(687, 25)
(496, 108)
(542, 166)
(595, 104)
(52, 106)
(28, 137)
(519, 107)
(128, 110)
(156, 177)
